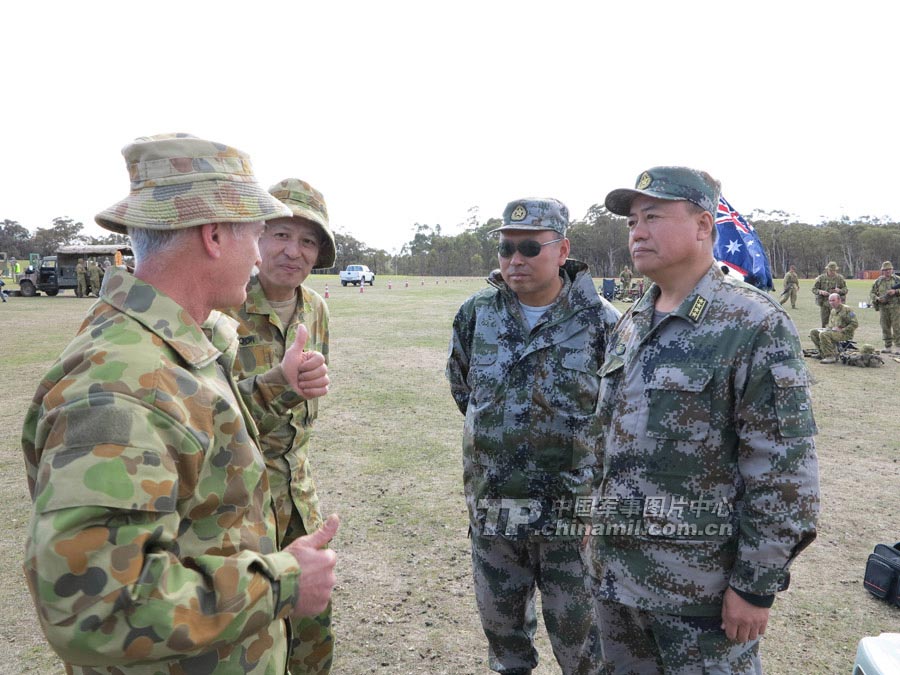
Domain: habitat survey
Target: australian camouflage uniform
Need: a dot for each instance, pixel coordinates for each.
(152, 545)
(262, 338)
(95, 274)
(791, 285)
(842, 324)
(888, 307)
(81, 288)
(710, 475)
(832, 284)
(530, 435)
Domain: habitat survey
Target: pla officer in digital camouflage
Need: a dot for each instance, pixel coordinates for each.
(152, 545)
(277, 305)
(522, 367)
(791, 286)
(825, 284)
(710, 483)
(81, 289)
(842, 323)
(885, 298)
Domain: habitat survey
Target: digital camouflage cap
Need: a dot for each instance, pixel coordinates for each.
(535, 214)
(179, 181)
(674, 183)
(306, 202)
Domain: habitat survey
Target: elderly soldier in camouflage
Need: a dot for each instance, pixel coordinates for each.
(826, 284)
(152, 546)
(277, 306)
(842, 323)
(81, 289)
(885, 298)
(791, 286)
(522, 368)
(710, 484)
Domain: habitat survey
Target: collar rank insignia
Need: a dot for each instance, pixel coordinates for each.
(697, 309)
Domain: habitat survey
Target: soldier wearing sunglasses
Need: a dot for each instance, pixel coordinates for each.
(523, 365)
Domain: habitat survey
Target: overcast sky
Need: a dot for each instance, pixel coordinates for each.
(414, 112)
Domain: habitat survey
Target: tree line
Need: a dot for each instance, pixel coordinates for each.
(600, 239)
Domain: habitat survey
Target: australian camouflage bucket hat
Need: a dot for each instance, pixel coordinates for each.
(179, 181)
(674, 183)
(306, 202)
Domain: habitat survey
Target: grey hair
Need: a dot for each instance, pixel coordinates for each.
(145, 242)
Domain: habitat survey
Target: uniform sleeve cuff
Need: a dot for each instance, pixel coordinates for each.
(276, 391)
(755, 600)
(758, 580)
(285, 572)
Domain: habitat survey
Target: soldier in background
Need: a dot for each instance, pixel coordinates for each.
(81, 287)
(625, 277)
(885, 298)
(523, 363)
(842, 323)
(277, 306)
(710, 484)
(826, 284)
(95, 276)
(791, 286)
(152, 543)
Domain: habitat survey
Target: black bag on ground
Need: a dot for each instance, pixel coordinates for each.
(882, 577)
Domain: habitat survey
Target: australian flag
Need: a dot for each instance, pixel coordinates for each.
(738, 246)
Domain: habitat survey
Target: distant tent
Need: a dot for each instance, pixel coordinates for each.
(739, 247)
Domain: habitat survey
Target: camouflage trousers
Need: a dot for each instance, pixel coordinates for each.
(824, 313)
(312, 641)
(638, 642)
(81, 289)
(825, 341)
(506, 573)
(789, 293)
(890, 325)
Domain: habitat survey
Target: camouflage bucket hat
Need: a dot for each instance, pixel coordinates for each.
(674, 183)
(886, 265)
(831, 266)
(306, 202)
(535, 214)
(179, 181)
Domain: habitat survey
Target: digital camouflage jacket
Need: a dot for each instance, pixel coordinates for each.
(151, 545)
(529, 397)
(710, 476)
(262, 340)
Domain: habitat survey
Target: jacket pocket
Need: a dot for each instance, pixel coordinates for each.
(680, 402)
(792, 403)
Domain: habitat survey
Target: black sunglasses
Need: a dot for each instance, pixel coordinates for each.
(527, 247)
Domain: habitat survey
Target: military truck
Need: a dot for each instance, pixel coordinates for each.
(56, 273)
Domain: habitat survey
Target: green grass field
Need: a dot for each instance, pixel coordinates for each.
(387, 459)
